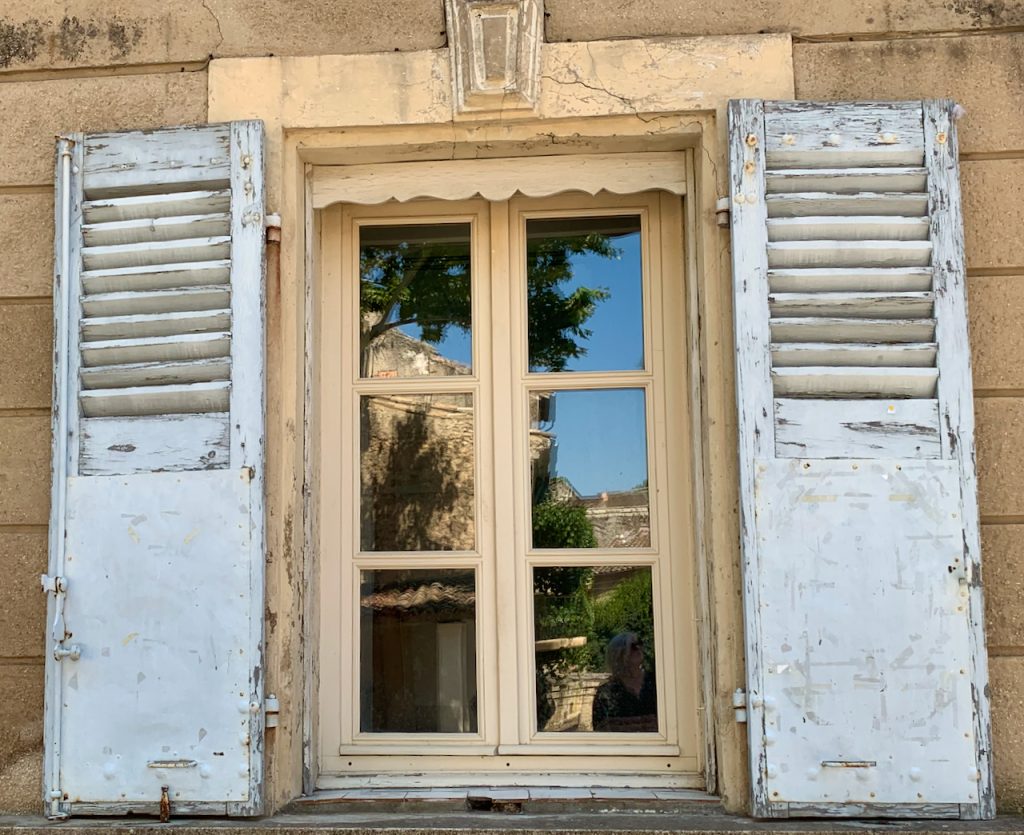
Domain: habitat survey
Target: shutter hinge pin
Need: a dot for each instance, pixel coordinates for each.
(722, 211)
(739, 704)
(271, 709)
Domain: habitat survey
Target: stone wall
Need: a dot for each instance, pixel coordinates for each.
(90, 65)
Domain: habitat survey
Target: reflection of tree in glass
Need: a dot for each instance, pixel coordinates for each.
(428, 285)
(629, 607)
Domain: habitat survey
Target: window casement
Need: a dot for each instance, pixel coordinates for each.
(503, 497)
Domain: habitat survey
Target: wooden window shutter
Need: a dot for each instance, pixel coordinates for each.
(155, 584)
(866, 667)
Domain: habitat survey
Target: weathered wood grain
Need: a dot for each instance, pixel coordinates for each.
(194, 398)
(837, 329)
(156, 349)
(152, 206)
(857, 429)
(121, 232)
(867, 354)
(157, 276)
(956, 407)
(122, 446)
(176, 300)
(158, 252)
(846, 180)
(123, 164)
(753, 395)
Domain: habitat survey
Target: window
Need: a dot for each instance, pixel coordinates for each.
(506, 551)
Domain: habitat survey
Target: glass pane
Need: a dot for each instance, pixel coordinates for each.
(414, 300)
(416, 472)
(584, 294)
(588, 457)
(594, 644)
(417, 652)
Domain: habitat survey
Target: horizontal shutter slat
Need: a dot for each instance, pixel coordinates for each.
(824, 203)
(147, 230)
(161, 301)
(846, 180)
(161, 324)
(849, 254)
(150, 206)
(834, 329)
(156, 349)
(914, 354)
(156, 276)
(860, 305)
(850, 279)
(158, 252)
(867, 227)
(157, 373)
(830, 381)
(157, 400)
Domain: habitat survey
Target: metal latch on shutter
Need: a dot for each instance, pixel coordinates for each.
(58, 587)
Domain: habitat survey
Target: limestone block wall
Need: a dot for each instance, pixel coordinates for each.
(92, 65)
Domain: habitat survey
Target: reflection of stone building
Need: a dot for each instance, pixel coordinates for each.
(396, 354)
(417, 472)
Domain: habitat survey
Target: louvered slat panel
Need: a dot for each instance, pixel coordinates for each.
(147, 230)
(806, 204)
(850, 279)
(156, 276)
(849, 252)
(166, 301)
(156, 400)
(910, 354)
(160, 324)
(851, 381)
(177, 347)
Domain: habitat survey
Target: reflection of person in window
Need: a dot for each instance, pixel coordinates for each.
(628, 700)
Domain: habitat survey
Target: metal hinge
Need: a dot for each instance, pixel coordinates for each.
(58, 587)
(722, 211)
(271, 709)
(739, 704)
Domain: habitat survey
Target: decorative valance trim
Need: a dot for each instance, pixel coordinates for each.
(499, 179)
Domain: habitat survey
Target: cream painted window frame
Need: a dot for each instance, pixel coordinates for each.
(493, 382)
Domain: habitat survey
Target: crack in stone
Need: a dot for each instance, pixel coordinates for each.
(216, 21)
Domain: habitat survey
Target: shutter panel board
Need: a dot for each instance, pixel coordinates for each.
(157, 527)
(866, 669)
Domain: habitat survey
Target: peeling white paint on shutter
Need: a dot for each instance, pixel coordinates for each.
(154, 657)
(866, 668)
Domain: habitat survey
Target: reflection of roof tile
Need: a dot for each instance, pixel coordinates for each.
(429, 597)
(620, 498)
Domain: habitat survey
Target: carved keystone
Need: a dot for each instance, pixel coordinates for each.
(495, 54)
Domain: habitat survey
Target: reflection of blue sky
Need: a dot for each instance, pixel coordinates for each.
(602, 439)
(457, 344)
(616, 342)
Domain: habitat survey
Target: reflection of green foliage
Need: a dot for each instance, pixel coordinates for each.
(629, 607)
(557, 318)
(428, 285)
(562, 525)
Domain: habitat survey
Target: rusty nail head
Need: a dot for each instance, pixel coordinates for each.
(749, 167)
(940, 137)
(751, 140)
